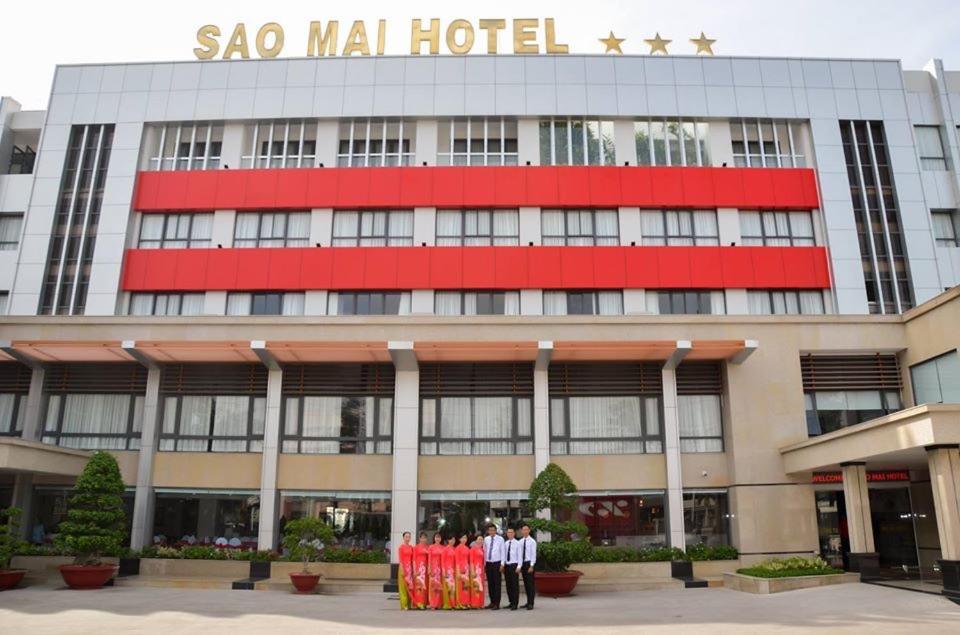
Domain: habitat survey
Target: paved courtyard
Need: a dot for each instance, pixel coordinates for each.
(850, 608)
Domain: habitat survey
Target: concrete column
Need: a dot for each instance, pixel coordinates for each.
(221, 234)
(541, 407)
(406, 443)
(944, 463)
(728, 226)
(528, 141)
(671, 445)
(857, 499)
(321, 227)
(719, 143)
(530, 226)
(232, 147)
(328, 140)
(629, 221)
(141, 534)
(426, 142)
(33, 417)
(625, 142)
(267, 537)
(424, 226)
(23, 499)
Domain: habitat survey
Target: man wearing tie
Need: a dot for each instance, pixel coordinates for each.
(511, 571)
(493, 558)
(528, 560)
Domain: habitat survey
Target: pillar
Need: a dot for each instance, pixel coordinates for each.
(406, 444)
(222, 231)
(141, 533)
(424, 226)
(863, 557)
(944, 463)
(267, 537)
(528, 141)
(541, 419)
(671, 449)
(425, 142)
(23, 500)
(33, 418)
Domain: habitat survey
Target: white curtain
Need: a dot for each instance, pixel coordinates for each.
(610, 303)
(607, 227)
(151, 231)
(454, 424)
(192, 304)
(552, 227)
(401, 228)
(238, 304)
(718, 305)
(345, 228)
(699, 416)
(506, 227)
(298, 230)
(801, 226)
(751, 230)
(651, 228)
(511, 303)
(246, 231)
(141, 304)
(291, 416)
(293, 304)
(7, 402)
(759, 302)
(554, 302)
(811, 302)
(10, 229)
(705, 226)
(321, 418)
(447, 302)
(202, 229)
(230, 419)
(929, 141)
(194, 421)
(404, 303)
(449, 230)
(493, 420)
(95, 414)
(652, 299)
(469, 303)
(597, 418)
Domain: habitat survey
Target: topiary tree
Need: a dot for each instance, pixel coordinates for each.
(305, 537)
(96, 521)
(10, 542)
(553, 490)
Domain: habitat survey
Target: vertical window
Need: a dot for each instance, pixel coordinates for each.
(679, 227)
(671, 142)
(930, 148)
(477, 141)
(175, 231)
(272, 229)
(469, 228)
(265, 303)
(14, 387)
(777, 302)
(4, 300)
(580, 227)
(376, 143)
(583, 303)
(280, 144)
(166, 304)
(844, 390)
(686, 302)
(777, 229)
(477, 303)
(572, 141)
(946, 227)
(187, 146)
(706, 520)
(937, 380)
(10, 231)
(368, 303)
(699, 408)
(22, 158)
(766, 143)
(373, 228)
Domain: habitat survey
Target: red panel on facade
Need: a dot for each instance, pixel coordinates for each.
(476, 268)
(508, 186)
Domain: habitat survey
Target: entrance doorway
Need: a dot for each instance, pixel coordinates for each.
(893, 533)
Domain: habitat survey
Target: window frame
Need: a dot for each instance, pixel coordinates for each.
(767, 239)
(494, 294)
(11, 217)
(403, 156)
(389, 240)
(255, 156)
(131, 437)
(338, 296)
(164, 242)
(747, 157)
(377, 438)
(665, 238)
(574, 239)
(264, 296)
(210, 160)
(795, 294)
(885, 409)
(250, 438)
(17, 415)
(258, 242)
(953, 216)
(643, 439)
(928, 162)
(643, 135)
(451, 156)
(605, 135)
(515, 438)
(153, 304)
(704, 298)
(461, 238)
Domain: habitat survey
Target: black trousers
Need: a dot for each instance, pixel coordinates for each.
(527, 572)
(512, 579)
(493, 582)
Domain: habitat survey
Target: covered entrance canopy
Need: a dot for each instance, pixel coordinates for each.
(20, 456)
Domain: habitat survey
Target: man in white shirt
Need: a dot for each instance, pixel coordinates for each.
(511, 571)
(528, 560)
(493, 558)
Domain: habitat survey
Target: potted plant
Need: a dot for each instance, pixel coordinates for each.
(552, 490)
(10, 544)
(304, 538)
(95, 523)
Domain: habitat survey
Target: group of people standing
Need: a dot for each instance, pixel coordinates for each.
(459, 573)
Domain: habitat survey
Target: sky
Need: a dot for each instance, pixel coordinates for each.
(36, 35)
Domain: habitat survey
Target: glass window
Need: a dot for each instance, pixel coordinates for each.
(175, 231)
(777, 229)
(785, 302)
(93, 421)
(360, 520)
(186, 146)
(376, 142)
(468, 228)
(280, 144)
(49, 509)
(369, 303)
(477, 141)
(338, 425)
(827, 411)
(766, 143)
(476, 302)
(266, 303)
(476, 425)
(272, 229)
(580, 227)
(458, 513)
(937, 380)
(686, 302)
(706, 520)
(213, 423)
(679, 227)
(700, 421)
(621, 520)
(583, 303)
(671, 142)
(930, 147)
(13, 409)
(571, 141)
(10, 231)
(166, 304)
(373, 228)
(946, 227)
(624, 424)
(183, 519)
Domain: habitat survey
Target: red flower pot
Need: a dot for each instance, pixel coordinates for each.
(79, 576)
(10, 578)
(305, 582)
(556, 584)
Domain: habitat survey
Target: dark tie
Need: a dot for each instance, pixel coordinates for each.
(523, 552)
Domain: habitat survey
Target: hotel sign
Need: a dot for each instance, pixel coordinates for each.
(882, 476)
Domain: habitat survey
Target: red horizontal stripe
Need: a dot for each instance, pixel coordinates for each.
(516, 186)
(304, 268)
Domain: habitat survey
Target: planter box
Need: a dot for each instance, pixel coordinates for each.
(714, 568)
(41, 568)
(619, 570)
(175, 568)
(332, 570)
(763, 586)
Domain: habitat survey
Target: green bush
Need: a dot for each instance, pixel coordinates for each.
(203, 552)
(355, 556)
(703, 552)
(96, 523)
(10, 542)
(305, 537)
(790, 567)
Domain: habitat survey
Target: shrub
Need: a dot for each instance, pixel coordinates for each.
(95, 524)
(305, 537)
(553, 489)
(790, 567)
(703, 552)
(356, 556)
(10, 542)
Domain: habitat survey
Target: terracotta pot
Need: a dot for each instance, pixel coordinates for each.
(79, 576)
(305, 582)
(10, 578)
(556, 584)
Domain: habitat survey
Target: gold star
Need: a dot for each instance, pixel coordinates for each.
(704, 44)
(658, 44)
(612, 43)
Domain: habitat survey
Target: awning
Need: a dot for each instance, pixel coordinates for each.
(32, 457)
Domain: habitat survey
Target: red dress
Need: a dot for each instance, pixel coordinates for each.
(462, 596)
(449, 561)
(478, 579)
(435, 577)
(405, 575)
(418, 596)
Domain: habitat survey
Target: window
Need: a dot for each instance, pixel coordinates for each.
(706, 520)
(360, 520)
(280, 144)
(785, 302)
(684, 302)
(625, 519)
(699, 408)
(572, 141)
(166, 304)
(777, 229)
(265, 303)
(186, 146)
(191, 518)
(480, 227)
(338, 408)
(213, 407)
(94, 406)
(373, 228)
(843, 390)
(175, 231)
(477, 141)
(937, 380)
(376, 142)
(671, 142)
(930, 147)
(679, 228)
(476, 302)
(583, 303)
(766, 143)
(4, 300)
(827, 411)
(272, 229)
(946, 227)
(369, 303)
(580, 227)
(10, 231)
(14, 387)
(605, 408)
(22, 160)
(482, 408)
(459, 513)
